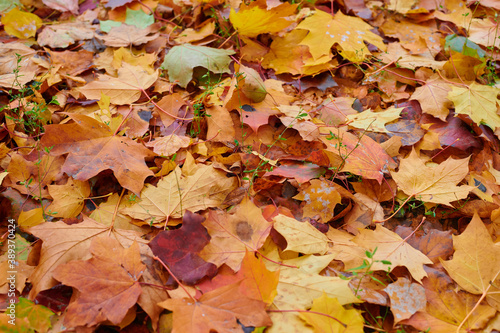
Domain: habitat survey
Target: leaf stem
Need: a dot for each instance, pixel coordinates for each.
(175, 278)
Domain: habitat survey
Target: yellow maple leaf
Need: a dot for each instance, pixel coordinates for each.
(432, 183)
(68, 198)
(347, 31)
(477, 101)
(300, 236)
(476, 262)
(195, 188)
(391, 247)
(285, 56)
(21, 24)
(256, 19)
(374, 121)
(327, 315)
(320, 199)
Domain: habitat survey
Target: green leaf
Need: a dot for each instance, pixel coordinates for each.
(37, 315)
(106, 26)
(180, 61)
(464, 45)
(139, 18)
(6, 5)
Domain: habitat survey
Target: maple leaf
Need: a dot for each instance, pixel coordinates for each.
(299, 287)
(362, 156)
(300, 236)
(257, 114)
(93, 148)
(302, 172)
(27, 68)
(178, 249)
(447, 307)
(285, 56)
(63, 6)
(325, 30)
(126, 35)
(38, 316)
(434, 244)
(234, 233)
(483, 31)
(436, 183)
(75, 245)
(108, 283)
(21, 24)
(124, 89)
(255, 19)
(218, 311)
(328, 315)
(68, 198)
(258, 282)
(320, 199)
(196, 188)
(300, 283)
(406, 298)
(390, 247)
(180, 61)
(374, 121)
(476, 262)
(64, 34)
(433, 97)
(477, 101)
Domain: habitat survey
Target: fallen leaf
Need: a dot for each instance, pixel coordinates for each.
(390, 247)
(258, 282)
(320, 199)
(325, 30)
(447, 307)
(69, 198)
(300, 283)
(374, 121)
(124, 89)
(190, 56)
(234, 233)
(179, 249)
(433, 243)
(21, 24)
(433, 97)
(217, 310)
(301, 237)
(92, 148)
(476, 262)
(196, 187)
(108, 283)
(38, 316)
(126, 35)
(432, 183)
(328, 315)
(255, 19)
(362, 156)
(63, 5)
(77, 239)
(406, 298)
(64, 34)
(477, 101)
